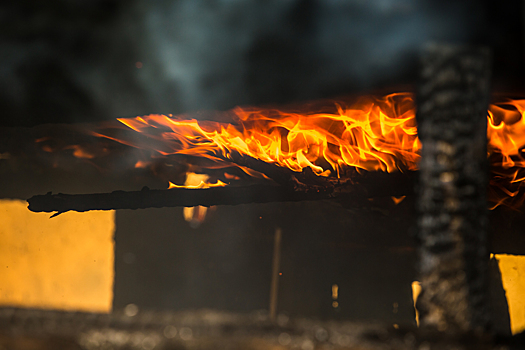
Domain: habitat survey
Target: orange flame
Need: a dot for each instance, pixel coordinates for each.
(506, 132)
(141, 164)
(506, 143)
(372, 134)
(398, 200)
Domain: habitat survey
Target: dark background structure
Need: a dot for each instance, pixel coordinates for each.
(69, 61)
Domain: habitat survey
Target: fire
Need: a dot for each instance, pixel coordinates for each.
(142, 164)
(200, 185)
(196, 215)
(370, 134)
(506, 132)
(373, 134)
(398, 200)
(506, 143)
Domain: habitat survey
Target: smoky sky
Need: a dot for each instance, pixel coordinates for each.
(76, 61)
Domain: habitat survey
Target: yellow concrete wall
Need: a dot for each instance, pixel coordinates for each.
(512, 269)
(62, 263)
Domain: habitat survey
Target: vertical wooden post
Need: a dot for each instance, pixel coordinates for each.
(452, 103)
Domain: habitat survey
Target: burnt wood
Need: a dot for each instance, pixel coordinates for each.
(282, 176)
(177, 197)
(452, 199)
(352, 194)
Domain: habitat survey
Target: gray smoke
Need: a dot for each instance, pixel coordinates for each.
(70, 61)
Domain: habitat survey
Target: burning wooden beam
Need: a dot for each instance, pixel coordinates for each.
(453, 224)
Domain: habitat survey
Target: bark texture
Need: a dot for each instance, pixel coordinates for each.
(452, 200)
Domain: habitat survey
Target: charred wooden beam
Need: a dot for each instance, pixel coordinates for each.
(177, 197)
(452, 200)
(303, 180)
(353, 194)
(282, 176)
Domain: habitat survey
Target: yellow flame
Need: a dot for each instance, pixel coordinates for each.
(197, 181)
(201, 185)
(335, 291)
(416, 290)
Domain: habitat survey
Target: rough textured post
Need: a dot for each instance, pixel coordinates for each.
(452, 107)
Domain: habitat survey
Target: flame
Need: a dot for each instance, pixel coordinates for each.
(201, 185)
(397, 200)
(506, 143)
(231, 177)
(506, 133)
(196, 215)
(140, 164)
(370, 134)
(416, 290)
(197, 181)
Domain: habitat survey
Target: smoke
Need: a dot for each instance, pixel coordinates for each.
(72, 61)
